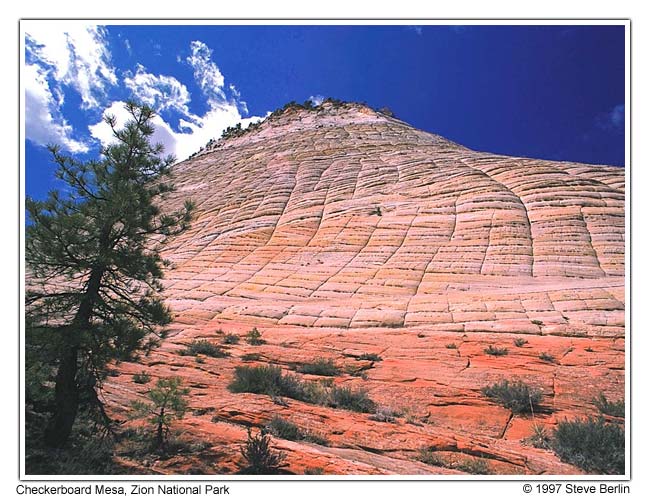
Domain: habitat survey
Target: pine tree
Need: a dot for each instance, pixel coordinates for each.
(166, 402)
(92, 262)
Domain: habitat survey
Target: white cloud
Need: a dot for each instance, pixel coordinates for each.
(166, 92)
(317, 99)
(43, 123)
(196, 131)
(160, 92)
(78, 57)
(206, 73)
(75, 55)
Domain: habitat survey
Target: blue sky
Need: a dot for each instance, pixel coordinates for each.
(553, 92)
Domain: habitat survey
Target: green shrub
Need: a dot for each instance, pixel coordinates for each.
(496, 351)
(519, 342)
(516, 396)
(351, 399)
(254, 337)
(384, 414)
(251, 356)
(141, 378)
(320, 366)
(430, 457)
(259, 457)
(231, 339)
(204, 347)
(284, 429)
(268, 379)
(167, 402)
(613, 408)
(475, 466)
(547, 357)
(451, 346)
(314, 471)
(540, 438)
(592, 444)
(368, 356)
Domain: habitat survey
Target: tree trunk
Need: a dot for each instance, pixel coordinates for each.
(66, 389)
(66, 400)
(160, 437)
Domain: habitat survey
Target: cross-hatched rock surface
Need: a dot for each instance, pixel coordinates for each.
(341, 231)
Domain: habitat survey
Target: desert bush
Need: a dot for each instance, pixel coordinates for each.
(251, 356)
(612, 408)
(369, 356)
(385, 110)
(384, 414)
(544, 356)
(516, 396)
(279, 427)
(351, 399)
(519, 342)
(431, 457)
(314, 471)
(141, 378)
(320, 366)
(284, 429)
(259, 457)
(496, 351)
(231, 339)
(540, 438)
(204, 347)
(591, 444)
(254, 337)
(268, 379)
(451, 346)
(474, 466)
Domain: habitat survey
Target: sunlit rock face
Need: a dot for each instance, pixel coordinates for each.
(342, 231)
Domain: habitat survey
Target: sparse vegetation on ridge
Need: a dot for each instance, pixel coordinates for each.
(142, 377)
(320, 366)
(204, 347)
(231, 339)
(259, 457)
(254, 337)
(369, 356)
(549, 358)
(612, 408)
(496, 351)
(269, 379)
(285, 429)
(238, 130)
(591, 444)
(517, 396)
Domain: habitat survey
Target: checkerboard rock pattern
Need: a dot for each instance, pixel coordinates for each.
(342, 231)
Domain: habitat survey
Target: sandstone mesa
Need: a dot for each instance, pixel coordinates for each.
(343, 231)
